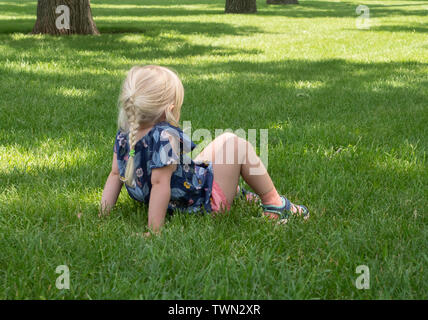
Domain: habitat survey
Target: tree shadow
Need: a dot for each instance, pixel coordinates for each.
(417, 27)
(154, 10)
(105, 12)
(150, 46)
(18, 26)
(104, 18)
(159, 3)
(150, 27)
(334, 91)
(337, 91)
(337, 9)
(306, 9)
(155, 27)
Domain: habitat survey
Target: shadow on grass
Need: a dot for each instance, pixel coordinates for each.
(417, 27)
(153, 46)
(132, 10)
(106, 11)
(151, 28)
(16, 26)
(336, 9)
(155, 27)
(334, 92)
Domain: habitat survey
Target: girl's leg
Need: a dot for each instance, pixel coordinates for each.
(226, 175)
(232, 157)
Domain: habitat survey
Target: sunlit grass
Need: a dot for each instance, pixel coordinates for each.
(346, 111)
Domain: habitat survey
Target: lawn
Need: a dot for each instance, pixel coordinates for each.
(347, 114)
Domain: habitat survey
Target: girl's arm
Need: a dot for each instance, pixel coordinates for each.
(112, 188)
(160, 196)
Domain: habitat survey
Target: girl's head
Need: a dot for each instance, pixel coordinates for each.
(150, 94)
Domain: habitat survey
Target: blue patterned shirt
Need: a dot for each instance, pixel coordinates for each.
(164, 144)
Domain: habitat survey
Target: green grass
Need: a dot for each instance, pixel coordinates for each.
(347, 116)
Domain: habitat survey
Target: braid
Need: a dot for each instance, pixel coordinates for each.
(133, 130)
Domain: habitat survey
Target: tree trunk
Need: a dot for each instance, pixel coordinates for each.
(282, 1)
(61, 17)
(241, 6)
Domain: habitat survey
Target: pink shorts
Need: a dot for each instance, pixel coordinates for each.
(218, 199)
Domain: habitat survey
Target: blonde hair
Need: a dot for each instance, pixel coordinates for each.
(149, 95)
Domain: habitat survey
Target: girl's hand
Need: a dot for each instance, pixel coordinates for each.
(144, 235)
(111, 189)
(102, 214)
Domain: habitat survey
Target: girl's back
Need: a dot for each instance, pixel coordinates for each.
(164, 145)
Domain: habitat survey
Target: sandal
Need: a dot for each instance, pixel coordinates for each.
(284, 211)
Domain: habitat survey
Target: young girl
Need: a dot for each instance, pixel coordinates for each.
(150, 157)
